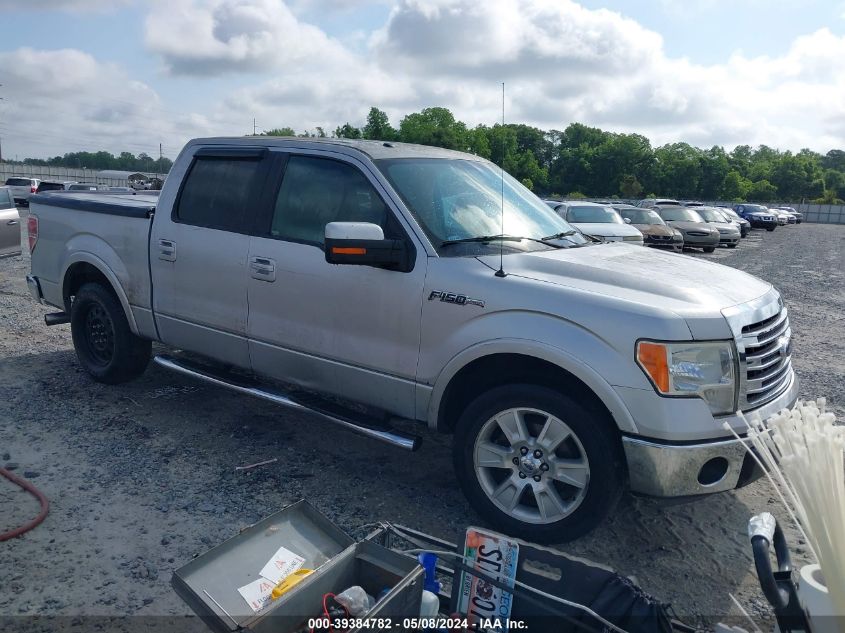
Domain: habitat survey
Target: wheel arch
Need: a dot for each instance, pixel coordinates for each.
(84, 268)
(490, 365)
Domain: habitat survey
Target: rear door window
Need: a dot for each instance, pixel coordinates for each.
(219, 191)
(19, 182)
(6, 199)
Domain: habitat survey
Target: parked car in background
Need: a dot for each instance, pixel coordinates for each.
(758, 215)
(10, 229)
(84, 186)
(798, 215)
(729, 234)
(782, 216)
(693, 203)
(597, 220)
(54, 185)
(697, 233)
(22, 188)
(743, 224)
(655, 231)
(652, 203)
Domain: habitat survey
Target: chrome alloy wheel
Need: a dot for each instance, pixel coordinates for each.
(531, 465)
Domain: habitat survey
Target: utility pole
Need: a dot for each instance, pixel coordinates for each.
(254, 127)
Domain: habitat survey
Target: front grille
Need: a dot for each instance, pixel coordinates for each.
(659, 238)
(766, 360)
(698, 233)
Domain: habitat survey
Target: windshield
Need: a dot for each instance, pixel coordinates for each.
(641, 216)
(593, 215)
(456, 199)
(711, 215)
(679, 214)
(757, 208)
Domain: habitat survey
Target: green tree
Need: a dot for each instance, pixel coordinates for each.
(714, 166)
(678, 170)
(479, 142)
(347, 131)
(279, 131)
(630, 187)
(434, 126)
(378, 126)
(762, 191)
(734, 187)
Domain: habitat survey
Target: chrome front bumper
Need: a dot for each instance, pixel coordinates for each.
(34, 288)
(677, 470)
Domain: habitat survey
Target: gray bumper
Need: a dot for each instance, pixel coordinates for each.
(34, 288)
(679, 470)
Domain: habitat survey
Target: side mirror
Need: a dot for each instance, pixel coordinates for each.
(627, 220)
(363, 244)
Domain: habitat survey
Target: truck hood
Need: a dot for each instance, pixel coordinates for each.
(607, 229)
(695, 289)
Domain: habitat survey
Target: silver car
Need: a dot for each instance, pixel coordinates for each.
(729, 232)
(10, 230)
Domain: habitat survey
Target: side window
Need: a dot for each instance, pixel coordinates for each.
(217, 193)
(316, 191)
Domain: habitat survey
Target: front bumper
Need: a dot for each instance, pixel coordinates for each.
(701, 240)
(662, 469)
(729, 239)
(34, 288)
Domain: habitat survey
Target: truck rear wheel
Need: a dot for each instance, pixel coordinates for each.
(537, 464)
(104, 344)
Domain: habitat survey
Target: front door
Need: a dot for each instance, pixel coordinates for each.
(353, 331)
(10, 224)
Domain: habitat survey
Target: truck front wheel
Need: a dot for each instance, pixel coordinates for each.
(105, 346)
(537, 464)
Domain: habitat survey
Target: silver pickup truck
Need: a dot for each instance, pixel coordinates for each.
(375, 282)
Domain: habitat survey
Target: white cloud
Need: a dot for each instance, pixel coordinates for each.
(62, 5)
(65, 100)
(212, 37)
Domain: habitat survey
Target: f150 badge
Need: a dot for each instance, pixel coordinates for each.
(453, 297)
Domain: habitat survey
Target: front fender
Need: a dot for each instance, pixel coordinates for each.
(544, 351)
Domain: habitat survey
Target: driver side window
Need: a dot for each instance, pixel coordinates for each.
(316, 191)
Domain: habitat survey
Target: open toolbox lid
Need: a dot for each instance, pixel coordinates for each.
(210, 582)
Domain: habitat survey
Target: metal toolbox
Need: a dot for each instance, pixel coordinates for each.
(209, 584)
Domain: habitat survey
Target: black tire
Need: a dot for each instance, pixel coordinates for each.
(105, 346)
(771, 228)
(709, 249)
(732, 245)
(596, 435)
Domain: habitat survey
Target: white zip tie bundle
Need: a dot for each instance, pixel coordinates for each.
(803, 454)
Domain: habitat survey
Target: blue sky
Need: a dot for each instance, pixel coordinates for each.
(131, 73)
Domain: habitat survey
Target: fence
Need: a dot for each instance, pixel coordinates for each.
(8, 170)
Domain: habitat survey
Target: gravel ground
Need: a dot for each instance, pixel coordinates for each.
(141, 476)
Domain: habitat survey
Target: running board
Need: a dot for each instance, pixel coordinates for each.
(376, 432)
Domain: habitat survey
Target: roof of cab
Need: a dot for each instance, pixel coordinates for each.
(374, 149)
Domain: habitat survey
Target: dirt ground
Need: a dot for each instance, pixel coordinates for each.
(141, 476)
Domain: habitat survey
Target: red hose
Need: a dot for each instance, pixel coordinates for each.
(45, 505)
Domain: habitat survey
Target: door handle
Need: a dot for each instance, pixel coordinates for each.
(167, 250)
(262, 268)
(12, 222)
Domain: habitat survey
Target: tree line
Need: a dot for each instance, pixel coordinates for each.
(125, 161)
(584, 161)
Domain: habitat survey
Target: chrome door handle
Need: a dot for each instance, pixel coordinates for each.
(167, 250)
(262, 268)
(12, 222)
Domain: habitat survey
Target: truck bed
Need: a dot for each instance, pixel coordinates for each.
(105, 230)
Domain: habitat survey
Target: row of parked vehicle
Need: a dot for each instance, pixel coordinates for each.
(671, 224)
(23, 187)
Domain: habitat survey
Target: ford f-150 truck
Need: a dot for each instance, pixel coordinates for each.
(375, 282)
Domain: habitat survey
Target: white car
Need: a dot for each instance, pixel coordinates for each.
(22, 188)
(597, 220)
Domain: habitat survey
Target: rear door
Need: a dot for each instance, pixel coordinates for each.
(198, 254)
(353, 331)
(10, 230)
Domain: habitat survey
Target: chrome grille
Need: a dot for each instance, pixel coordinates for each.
(765, 358)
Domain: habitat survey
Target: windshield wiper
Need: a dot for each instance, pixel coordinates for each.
(558, 236)
(504, 238)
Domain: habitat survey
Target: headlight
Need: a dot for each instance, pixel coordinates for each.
(705, 370)
(632, 238)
